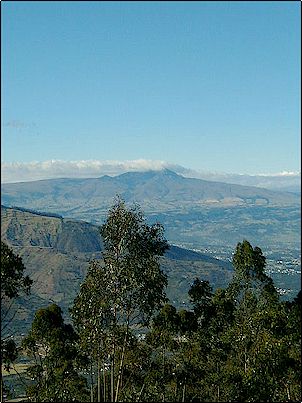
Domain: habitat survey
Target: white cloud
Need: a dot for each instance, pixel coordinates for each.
(283, 173)
(19, 172)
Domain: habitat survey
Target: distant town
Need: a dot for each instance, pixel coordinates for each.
(284, 267)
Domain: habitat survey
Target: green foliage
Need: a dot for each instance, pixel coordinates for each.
(9, 353)
(13, 283)
(249, 267)
(247, 349)
(13, 280)
(259, 361)
(122, 293)
(200, 295)
(51, 344)
(187, 321)
(239, 343)
(91, 312)
(131, 251)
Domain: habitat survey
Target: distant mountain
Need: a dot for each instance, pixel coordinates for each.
(56, 253)
(21, 172)
(194, 212)
(155, 190)
(281, 182)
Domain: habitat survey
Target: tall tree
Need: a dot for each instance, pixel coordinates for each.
(250, 279)
(259, 360)
(129, 286)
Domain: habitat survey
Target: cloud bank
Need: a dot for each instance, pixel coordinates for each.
(23, 172)
(19, 171)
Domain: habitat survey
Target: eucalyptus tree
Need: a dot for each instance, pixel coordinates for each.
(200, 296)
(259, 357)
(250, 282)
(122, 292)
(215, 316)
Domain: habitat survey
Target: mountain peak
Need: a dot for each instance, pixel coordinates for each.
(146, 175)
(168, 172)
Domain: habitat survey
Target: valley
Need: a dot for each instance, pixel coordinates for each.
(55, 230)
(194, 212)
(56, 253)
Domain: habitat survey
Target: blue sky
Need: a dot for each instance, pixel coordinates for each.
(207, 85)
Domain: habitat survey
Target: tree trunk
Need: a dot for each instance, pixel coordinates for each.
(91, 392)
(104, 381)
(91, 383)
(288, 394)
(164, 373)
(120, 372)
(112, 377)
(140, 393)
(119, 377)
(184, 393)
(99, 381)
(1, 384)
(218, 389)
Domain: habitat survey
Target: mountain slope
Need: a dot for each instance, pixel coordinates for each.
(154, 190)
(195, 212)
(56, 253)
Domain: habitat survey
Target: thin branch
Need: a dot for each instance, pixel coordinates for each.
(141, 391)
(9, 321)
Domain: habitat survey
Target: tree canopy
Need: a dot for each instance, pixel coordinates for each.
(51, 345)
(129, 343)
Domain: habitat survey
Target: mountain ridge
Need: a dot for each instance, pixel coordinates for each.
(194, 212)
(70, 235)
(17, 172)
(165, 185)
(56, 253)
